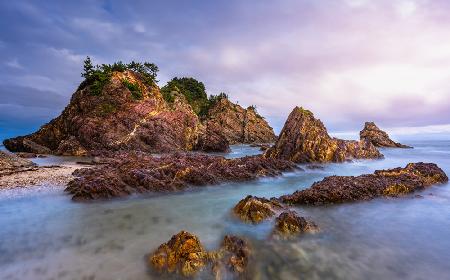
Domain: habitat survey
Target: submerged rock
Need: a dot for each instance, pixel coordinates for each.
(256, 209)
(391, 182)
(378, 137)
(289, 223)
(132, 172)
(240, 125)
(232, 257)
(182, 254)
(10, 163)
(305, 139)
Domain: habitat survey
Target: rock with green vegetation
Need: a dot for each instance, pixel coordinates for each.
(391, 182)
(305, 139)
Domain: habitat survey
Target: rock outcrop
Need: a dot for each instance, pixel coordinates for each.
(240, 125)
(290, 224)
(391, 182)
(378, 137)
(184, 255)
(116, 120)
(10, 163)
(305, 139)
(256, 209)
(133, 172)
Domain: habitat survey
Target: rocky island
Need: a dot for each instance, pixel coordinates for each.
(120, 107)
(378, 137)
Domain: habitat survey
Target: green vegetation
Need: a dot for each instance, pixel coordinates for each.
(136, 92)
(98, 76)
(106, 109)
(195, 94)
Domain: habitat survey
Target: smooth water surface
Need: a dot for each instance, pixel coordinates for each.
(44, 235)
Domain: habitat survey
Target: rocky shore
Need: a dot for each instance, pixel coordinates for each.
(389, 183)
(133, 172)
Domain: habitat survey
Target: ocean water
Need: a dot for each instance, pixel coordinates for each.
(44, 235)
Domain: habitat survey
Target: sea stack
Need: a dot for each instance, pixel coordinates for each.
(305, 139)
(378, 137)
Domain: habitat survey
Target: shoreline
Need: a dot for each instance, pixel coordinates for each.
(57, 175)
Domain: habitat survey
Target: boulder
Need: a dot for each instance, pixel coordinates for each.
(289, 223)
(240, 125)
(126, 173)
(391, 183)
(10, 163)
(232, 257)
(182, 254)
(255, 209)
(305, 139)
(378, 137)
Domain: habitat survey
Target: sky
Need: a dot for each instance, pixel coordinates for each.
(348, 61)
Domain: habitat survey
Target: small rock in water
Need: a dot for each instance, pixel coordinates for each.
(289, 223)
(255, 209)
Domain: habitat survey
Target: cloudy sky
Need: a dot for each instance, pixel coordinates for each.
(348, 61)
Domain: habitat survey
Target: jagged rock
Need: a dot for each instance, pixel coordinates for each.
(182, 254)
(305, 139)
(233, 256)
(289, 223)
(10, 163)
(133, 172)
(391, 182)
(212, 140)
(115, 120)
(26, 155)
(256, 209)
(240, 125)
(378, 137)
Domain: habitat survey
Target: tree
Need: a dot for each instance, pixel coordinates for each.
(88, 68)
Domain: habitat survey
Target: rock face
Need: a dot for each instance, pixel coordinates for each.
(116, 120)
(305, 139)
(391, 182)
(378, 137)
(240, 125)
(182, 254)
(10, 163)
(289, 223)
(255, 209)
(133, 172)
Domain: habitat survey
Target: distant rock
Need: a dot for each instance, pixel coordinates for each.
(126, 173)
(378, 137)
(305, 139)
(213, 140)
(391, 182)
(240, 125)
(289, 224)
(255, 209)
(10, 163)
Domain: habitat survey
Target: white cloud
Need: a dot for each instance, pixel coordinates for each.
(14, 64)
(406, 8)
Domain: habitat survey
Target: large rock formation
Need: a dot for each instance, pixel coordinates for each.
(378, 137)
(115, 119)
(10, 163)
(391, 182)
(131, 172)
(240, 125)
(305, 139)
